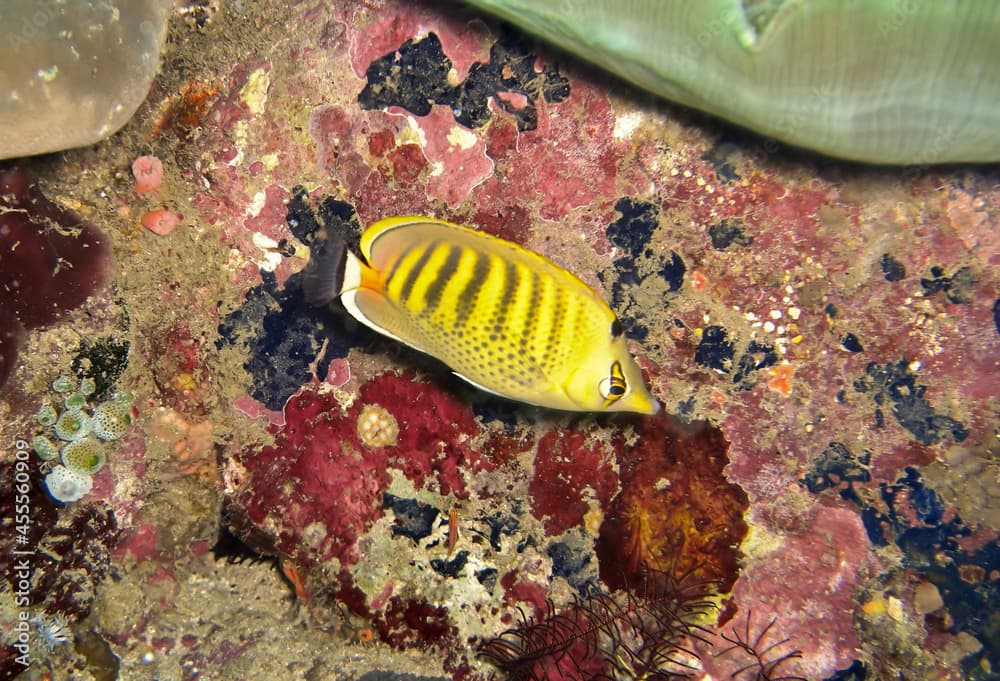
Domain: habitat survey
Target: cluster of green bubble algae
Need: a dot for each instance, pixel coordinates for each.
(77, 436)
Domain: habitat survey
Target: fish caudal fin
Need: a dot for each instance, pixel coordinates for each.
(323, 278)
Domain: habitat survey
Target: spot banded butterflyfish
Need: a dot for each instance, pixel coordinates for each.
(503, 318)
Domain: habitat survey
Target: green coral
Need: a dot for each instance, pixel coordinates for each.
(85, 457)
(111, 420)
(47, 415)
(63, 384)
(73, 424)
(76, 401)
(87, 386)
(44, 448)
(83, 433)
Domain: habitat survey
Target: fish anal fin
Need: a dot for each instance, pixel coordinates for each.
(372, 309)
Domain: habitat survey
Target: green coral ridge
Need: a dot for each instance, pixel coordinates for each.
(63, 384)
(44, 448)
(83, 431)
(47, 415)
(85, 457)
(87, 387)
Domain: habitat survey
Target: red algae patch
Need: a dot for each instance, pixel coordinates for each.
(572, 468)
(676, 511)
(319, 487)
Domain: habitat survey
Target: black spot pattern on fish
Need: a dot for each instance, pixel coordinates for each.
(897, 385)
(415, 76)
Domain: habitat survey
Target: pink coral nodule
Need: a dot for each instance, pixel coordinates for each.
(148, 173)
(161, 221)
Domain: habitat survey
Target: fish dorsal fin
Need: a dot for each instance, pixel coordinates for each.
(384, 241)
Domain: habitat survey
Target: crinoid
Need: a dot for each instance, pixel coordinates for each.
(643, 631)
(758, 666)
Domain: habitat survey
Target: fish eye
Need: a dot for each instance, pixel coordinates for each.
(613, 387)
(616, 328)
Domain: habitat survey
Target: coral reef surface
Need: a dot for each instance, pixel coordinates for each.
(292, 495)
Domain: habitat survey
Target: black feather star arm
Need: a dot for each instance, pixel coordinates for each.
(645, 631)
(762, 660)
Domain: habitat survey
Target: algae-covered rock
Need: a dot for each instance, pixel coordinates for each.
(74, 72)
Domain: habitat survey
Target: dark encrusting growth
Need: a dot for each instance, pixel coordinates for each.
(415, 77)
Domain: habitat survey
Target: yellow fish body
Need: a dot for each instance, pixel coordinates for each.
(501, 317)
